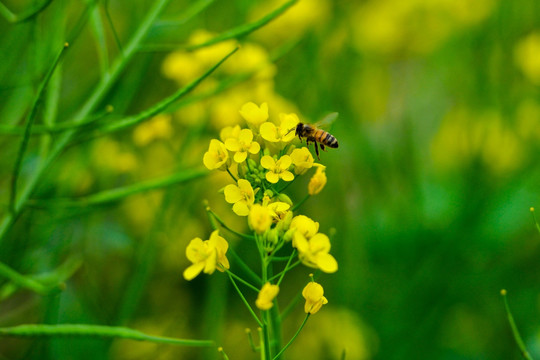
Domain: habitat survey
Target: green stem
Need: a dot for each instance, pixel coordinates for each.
(120, 193)
(238, 260)
(23, 281)
(29, 122)
(242, 281)
(113, 28)
(25, 15)
(534, 219)
(245, 29)
(230, 173)
(297, 205)
(222, 223)
(245, 301)
(38, 330)
(99, 93)
(266, 334)
(293, 338)
(515, 331)
(287, 268)
(162, 105)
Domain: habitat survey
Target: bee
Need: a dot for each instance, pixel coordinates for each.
(318, 137)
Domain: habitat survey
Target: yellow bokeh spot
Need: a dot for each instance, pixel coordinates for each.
(527, 57)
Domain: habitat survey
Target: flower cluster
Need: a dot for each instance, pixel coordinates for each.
(263, 159)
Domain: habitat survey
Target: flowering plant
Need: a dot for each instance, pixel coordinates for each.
(262, 161)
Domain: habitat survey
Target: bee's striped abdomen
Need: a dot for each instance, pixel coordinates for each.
(326, 138)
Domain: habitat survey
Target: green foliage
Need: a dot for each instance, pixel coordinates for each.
(102, 184)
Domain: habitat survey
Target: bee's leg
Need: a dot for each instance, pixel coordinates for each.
(322, 147)
(316, 149)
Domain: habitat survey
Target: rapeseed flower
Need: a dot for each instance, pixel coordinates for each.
(230, 132)
(302, 160)
(259, 218)
(266, 296)
(318, 181)
(217, 155)
(304, 227)
(283, 133)
(206, 256)
(314, 295)
(241, 195)
(242, 145)
(277, 169)
(253, 114)
(314, 252)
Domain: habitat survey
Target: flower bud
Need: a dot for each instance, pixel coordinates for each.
(272, 236)
(284, 198)
(289, 234)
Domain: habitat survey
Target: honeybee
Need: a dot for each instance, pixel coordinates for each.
(317, 136)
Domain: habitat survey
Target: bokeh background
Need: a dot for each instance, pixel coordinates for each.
(428, 195)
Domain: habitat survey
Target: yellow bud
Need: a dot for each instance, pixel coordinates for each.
(259, 218)
(317, 182)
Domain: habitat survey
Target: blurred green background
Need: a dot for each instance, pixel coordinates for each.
(428, 193)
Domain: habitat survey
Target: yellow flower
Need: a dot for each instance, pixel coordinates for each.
(266, 296)
(278, 210)
(242, 196)
(159, 127)
(305, 227)
(527, 57)
(277, 169)
(217, 155)
(259, 218)
(229, 132)
(314, 295)
(317, 182)
(284, 132)
(181, 66)
(313, 252)
(242, 145)
(302, 160)
(253, 114)
(206, 255)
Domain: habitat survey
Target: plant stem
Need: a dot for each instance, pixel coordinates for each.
(297, 205)
(293, 338)
(99, 93)
(515, 331)
(242, 281)
(245, 301)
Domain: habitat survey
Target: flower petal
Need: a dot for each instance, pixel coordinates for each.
(232, 144)
(240, 156)
(287, 176)
(232, 194)
(246, 136)
(272, 177)
(319, 243)
(195, 250)
(284, 162)
(192, 271)
(254, 148)
(269, 132)
(241, 208)
(268, 162)
(326, 263)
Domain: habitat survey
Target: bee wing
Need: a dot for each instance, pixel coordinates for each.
(326, 121)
